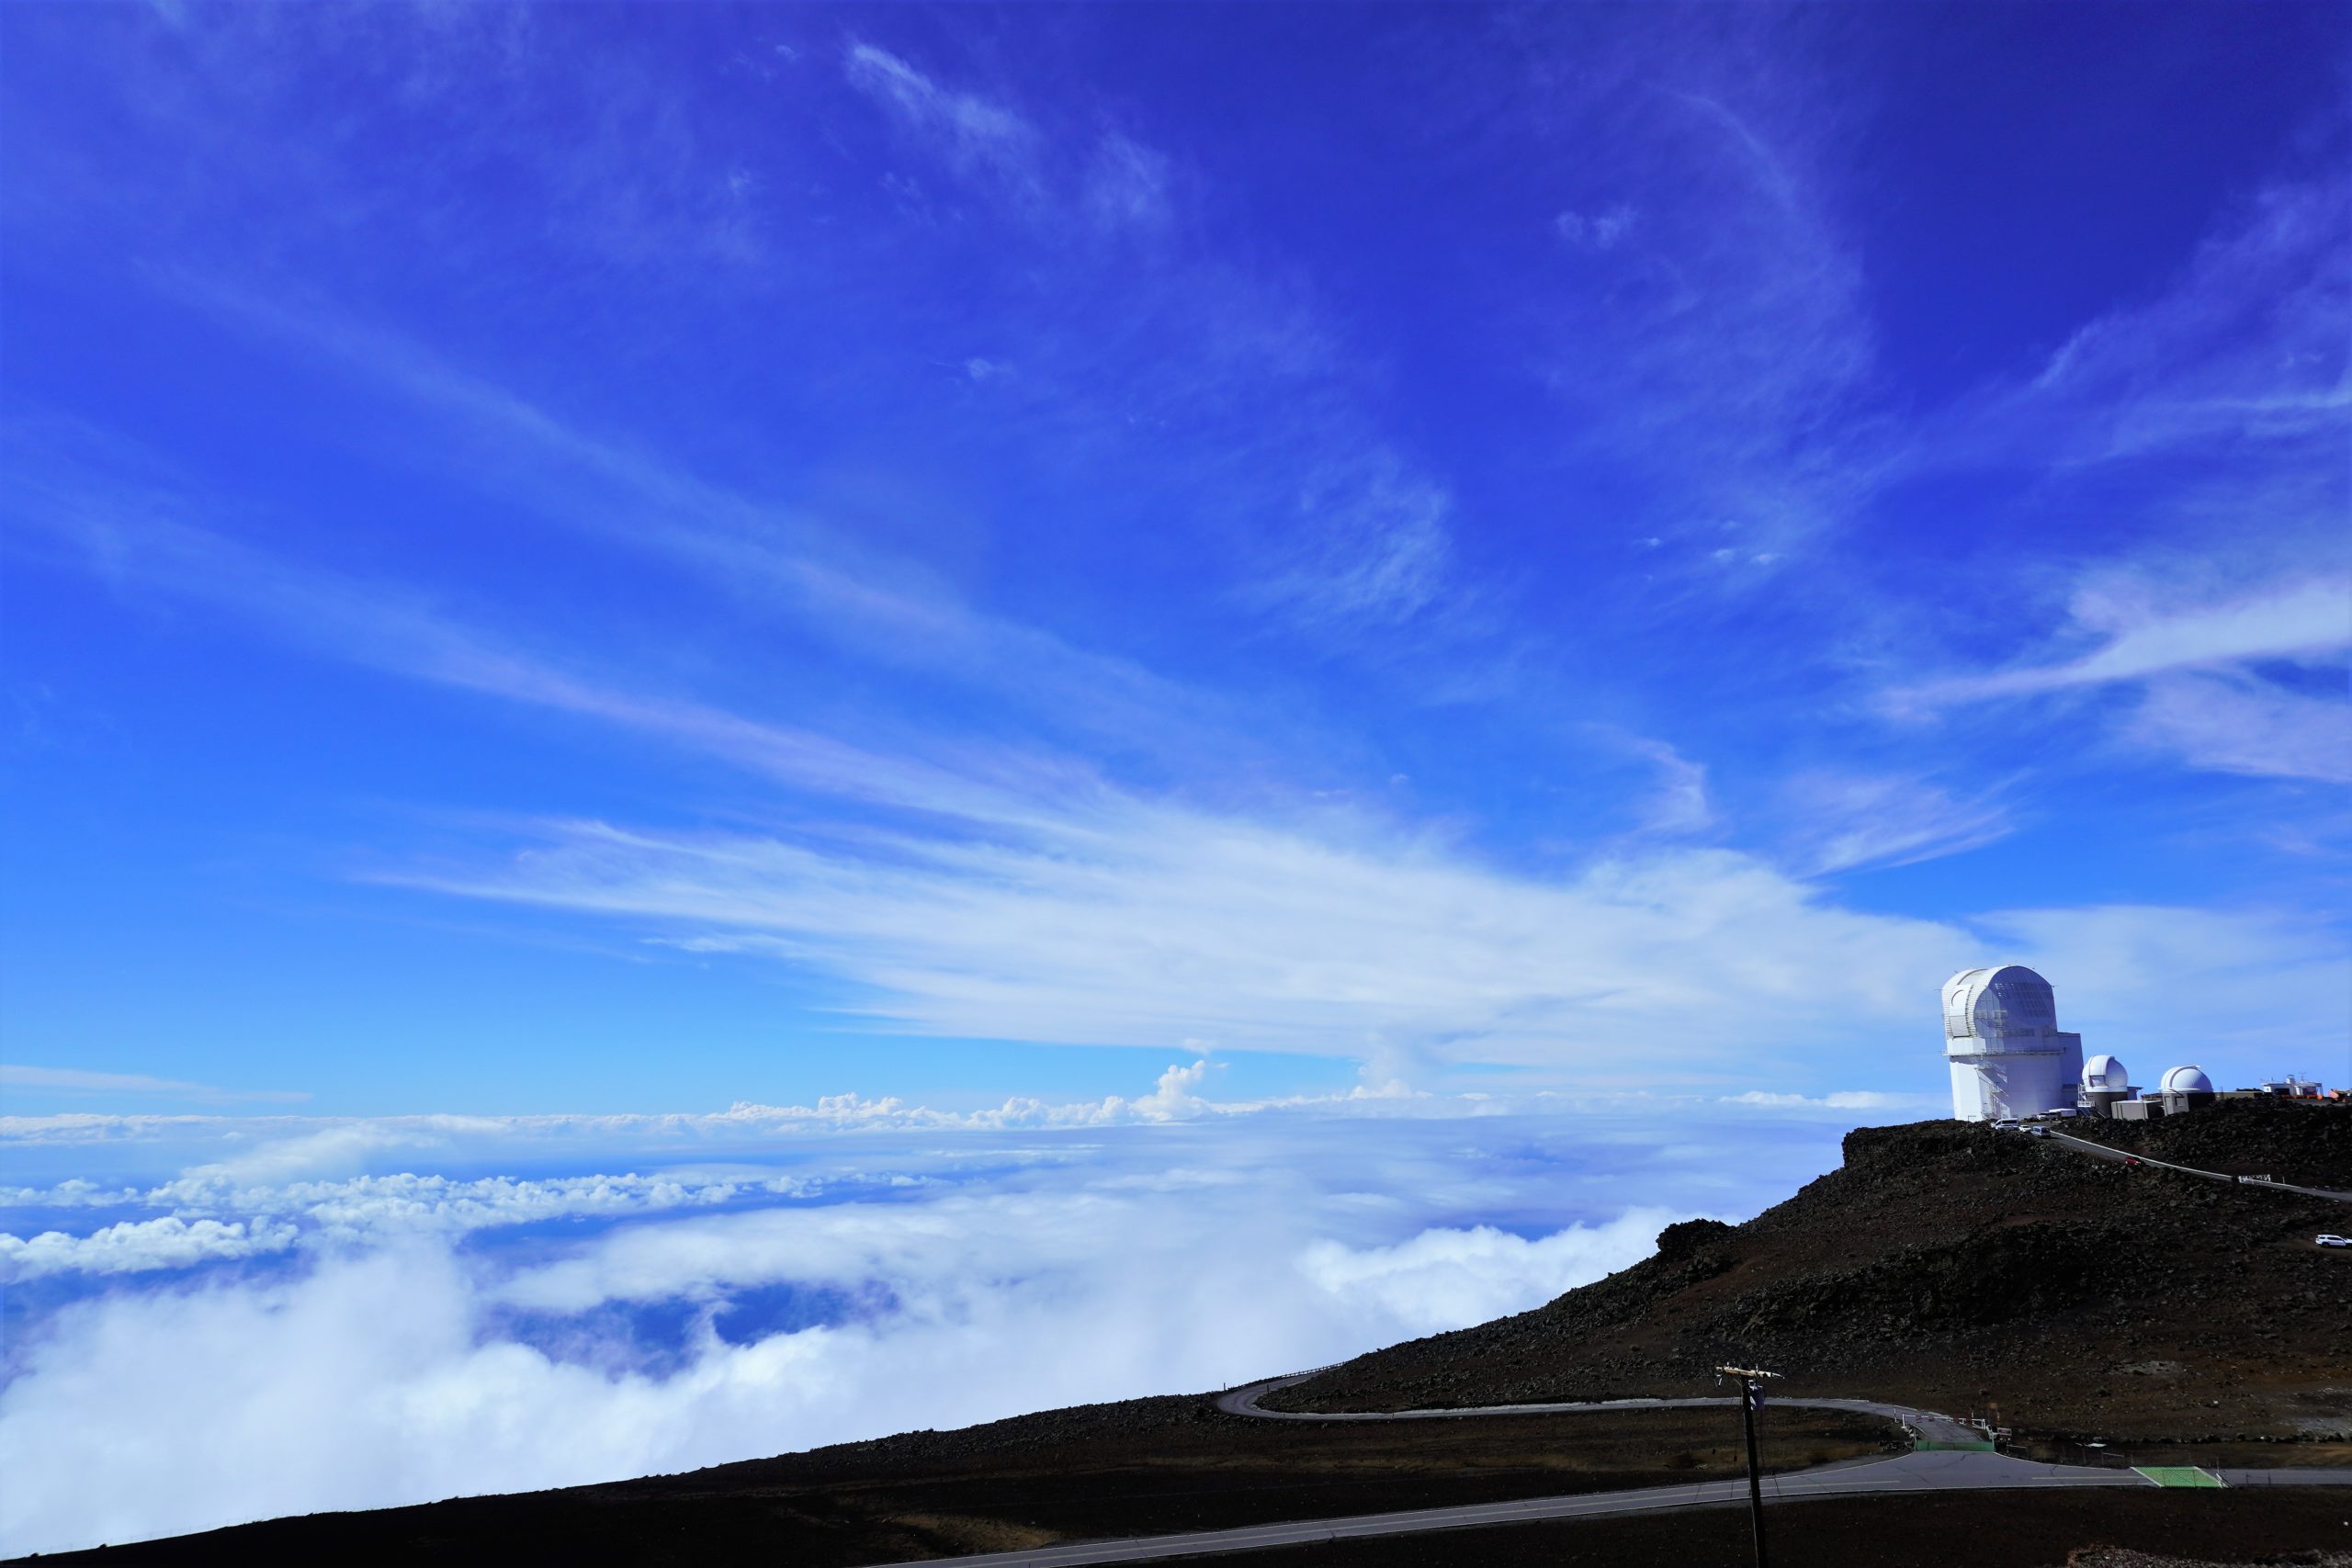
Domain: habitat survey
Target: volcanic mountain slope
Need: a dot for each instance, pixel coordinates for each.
(2310, 1145)
(1139, 1467)
(1950, 1266)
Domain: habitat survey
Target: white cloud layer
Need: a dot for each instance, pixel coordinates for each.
(1443, 1279)
(146, 1415)
(289, 1185)
(391, 1365)
(1923, 1105)
(136, 1247)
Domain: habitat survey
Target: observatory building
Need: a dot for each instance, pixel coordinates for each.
(2007, 1056)
(2011, 1062)
(2181, 1089)
(2106, 1084)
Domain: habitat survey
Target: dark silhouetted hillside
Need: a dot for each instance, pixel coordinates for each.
(1947, 1265)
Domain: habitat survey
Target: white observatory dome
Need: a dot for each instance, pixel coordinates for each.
(1997, 1003)
(2104, 1072)
(2007, 1056)
(2187, 1080)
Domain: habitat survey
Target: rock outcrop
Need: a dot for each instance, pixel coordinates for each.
(1948, 1265)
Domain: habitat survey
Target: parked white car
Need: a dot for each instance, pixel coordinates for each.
(2334, 1240)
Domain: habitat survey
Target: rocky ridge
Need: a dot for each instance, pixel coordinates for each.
(1948, 1265)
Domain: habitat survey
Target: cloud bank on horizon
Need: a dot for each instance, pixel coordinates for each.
(348, 1315)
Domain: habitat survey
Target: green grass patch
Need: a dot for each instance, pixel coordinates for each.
(2178, 1475)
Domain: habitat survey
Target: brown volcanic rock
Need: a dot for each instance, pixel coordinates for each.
(1948, 1265)
(2298, 1142)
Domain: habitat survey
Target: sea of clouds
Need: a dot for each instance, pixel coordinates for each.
(214, 1319)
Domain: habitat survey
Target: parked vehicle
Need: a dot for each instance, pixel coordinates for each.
(2131, 1159)
(2334, 1240)
(2039, 1132)
(2006, 1124)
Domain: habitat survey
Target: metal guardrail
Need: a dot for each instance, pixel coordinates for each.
(2109, 1151)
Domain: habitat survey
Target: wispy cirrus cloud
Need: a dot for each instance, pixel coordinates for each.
(1356, 542)
(2198, 664)
(138, 537)
(2243, 349)
(1022, 897)
(1840, 821)
(2294, 619)
(639, 183)
(1143, 923)
(1106, 179)
(779, 562)
(974, 133)
(2233, 724)
(1373, 551)
(1717, 340)
(1148, 923)
(1680, 803)
(2114, 955)
(82, 1081)
(1128, 182)
(1086, 913)
(2211, 415)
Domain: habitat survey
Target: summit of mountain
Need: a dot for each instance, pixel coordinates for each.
(1956, 1266)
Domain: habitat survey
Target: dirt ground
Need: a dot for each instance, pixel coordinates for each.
(2305, 1525)
(1147, 1468)
(2050, 1529)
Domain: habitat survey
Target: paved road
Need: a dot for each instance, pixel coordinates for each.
(2105, 1151)
(1924, 1424)
(1921, 1471)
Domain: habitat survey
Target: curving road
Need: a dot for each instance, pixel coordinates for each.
(2108, 1151)
(1924, 1424)
(1923, 1469)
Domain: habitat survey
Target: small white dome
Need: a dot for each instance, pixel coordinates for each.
(2104, 1072)
(2187, 1080)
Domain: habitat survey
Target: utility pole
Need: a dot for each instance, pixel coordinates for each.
(1751, 1394)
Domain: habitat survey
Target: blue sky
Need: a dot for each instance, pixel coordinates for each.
(629, 560)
